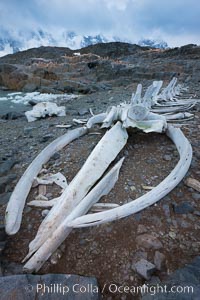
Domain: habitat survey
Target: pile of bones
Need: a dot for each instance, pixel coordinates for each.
(150, 113)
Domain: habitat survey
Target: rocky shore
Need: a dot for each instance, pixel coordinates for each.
(166, 234)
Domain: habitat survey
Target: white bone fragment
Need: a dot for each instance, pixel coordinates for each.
(102, 188)
(94, 133)
(193, 183)
(96, 164)
(41, 197)
(110, 118)
(41, 181)
(91, 112)
(136, 98)
(147, 187)
(43, 109)
(167, 109)
(42, 189)
(185, 151)
(63, 126)
(147, 99)
(58, 179)
(184, 115)
(96, 120)
(80, 121)
(41, 203)
(167, 93)
(45, 212)
(17, 200)
(157, 85)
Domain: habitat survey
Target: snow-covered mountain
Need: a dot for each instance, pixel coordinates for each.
(153, 43)
(11, 41)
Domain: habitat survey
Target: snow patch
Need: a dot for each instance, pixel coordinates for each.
(25, 98)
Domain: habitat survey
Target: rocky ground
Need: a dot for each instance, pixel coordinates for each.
(96, 68)
(165, 234)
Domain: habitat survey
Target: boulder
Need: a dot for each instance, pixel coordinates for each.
(145, 268)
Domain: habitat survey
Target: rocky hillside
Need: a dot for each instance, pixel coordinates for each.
(95, 68)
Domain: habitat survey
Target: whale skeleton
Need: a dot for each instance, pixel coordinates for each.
(95, 179)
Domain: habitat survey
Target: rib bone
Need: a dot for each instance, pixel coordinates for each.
(17, 200)
(185, 151)
(60, 234)
(96, 164)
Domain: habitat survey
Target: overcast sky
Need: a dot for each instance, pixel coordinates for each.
(175, 21)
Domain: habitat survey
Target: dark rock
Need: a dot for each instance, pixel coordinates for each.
(55, 156)
(138, 216)
(186, 280)
(30, 87)
(43, 287)
(28, 130)
(12, 268)
(2, 233)
(148, 241)
(93, 64)
(83, 111)
(12, 116)
(167, 157)
(46, 138)
(166, 210)
(196, 196)
(32, 102)
(151, 161)
(154, 281)
(2, 246)
(1, 270)
(4, 198)
(5, 180)
(159, 260)
(144, 268)
(7, 166)
(197, 213)
(183, 208)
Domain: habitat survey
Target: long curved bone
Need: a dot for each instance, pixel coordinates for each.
(17, 200)
(59, 235)
(185, 151)
(96, 164)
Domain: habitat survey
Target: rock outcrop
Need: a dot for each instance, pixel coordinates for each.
(97, 67)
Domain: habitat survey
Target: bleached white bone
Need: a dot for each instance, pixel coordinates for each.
(80, 121)
(166, 92)
(59, 235)
(136, 98)
(17, 200)
(40, 203)
(58, 179)
(185, 151)
(178, 116)
(111, 117)
(96, 164)
(43, 109)
(157, 85)
(96, 120)
(64, 126)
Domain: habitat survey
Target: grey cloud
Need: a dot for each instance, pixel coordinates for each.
(131, 19)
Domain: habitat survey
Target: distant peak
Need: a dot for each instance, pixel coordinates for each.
(12, 42)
